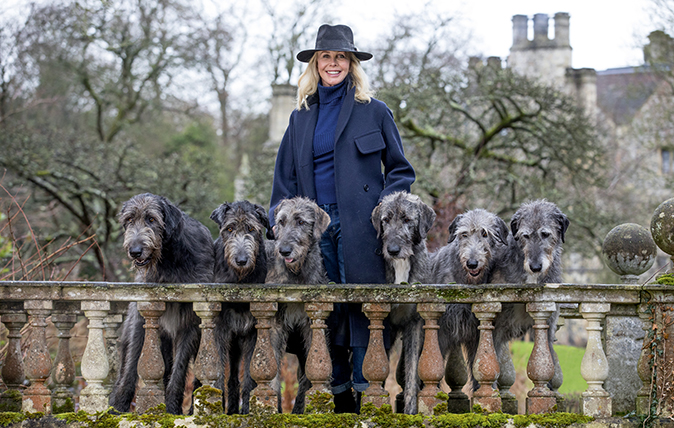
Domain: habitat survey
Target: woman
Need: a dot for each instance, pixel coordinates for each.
(337, 140)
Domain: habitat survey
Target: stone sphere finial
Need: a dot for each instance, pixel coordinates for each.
(629, 251)
(662, 226)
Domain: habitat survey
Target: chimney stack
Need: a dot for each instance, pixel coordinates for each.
(562, 29)
(520, 30)
(540, 28)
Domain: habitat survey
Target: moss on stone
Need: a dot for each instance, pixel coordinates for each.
(9, 418)
(10, 401)
(319, 402)
(207, 400)
(67, 407)
(551, 420)
(666, 279)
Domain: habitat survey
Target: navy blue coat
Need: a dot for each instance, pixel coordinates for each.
(366, 138)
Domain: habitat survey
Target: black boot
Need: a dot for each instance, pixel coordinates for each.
(359, 396)
(345, 402)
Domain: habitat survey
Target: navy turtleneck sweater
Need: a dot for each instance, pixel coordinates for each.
(329, 104)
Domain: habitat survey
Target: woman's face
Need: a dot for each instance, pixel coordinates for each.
(332, 67)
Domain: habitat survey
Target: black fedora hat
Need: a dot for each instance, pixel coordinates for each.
(334, 38)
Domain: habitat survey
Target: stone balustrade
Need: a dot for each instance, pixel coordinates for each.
(102, 303)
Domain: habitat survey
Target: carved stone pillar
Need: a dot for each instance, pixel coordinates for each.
(486, 368)
(319, 365)
(643, 365)
(506, 379)
(263, 366)
(207, 361)
(456, 377)
(558, 377)
(540, 367)
(63, 373)
(37, 363)
(12, 367)
(94, 397)
(594, 366)
(375, 363)
(430, 361)
(151, 364)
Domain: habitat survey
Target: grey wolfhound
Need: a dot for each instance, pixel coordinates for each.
(534, 257)
(402, 221)
(240, 257)
(167, 246)
(475, 254)
(297, 259)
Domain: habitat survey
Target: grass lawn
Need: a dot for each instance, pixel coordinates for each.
(569, 358)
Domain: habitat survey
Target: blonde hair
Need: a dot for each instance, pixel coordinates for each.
(308, 82)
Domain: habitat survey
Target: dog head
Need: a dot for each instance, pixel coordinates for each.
(478, 235)
(539, 228)
(242, 228)
(300, 224)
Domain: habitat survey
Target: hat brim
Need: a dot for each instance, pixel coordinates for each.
(305, 56)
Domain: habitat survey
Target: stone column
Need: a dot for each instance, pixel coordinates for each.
(207, 399)
(430, 361)
(506, 380)
(319, 365)
(94, 397)
(111, 323)
(263, 366)
(151, 364)
(63, 373)
(37, 398)
(594, 366)
(486, 368)
(540, 367)
(643, 400)
(375, 364)
(456, 377)
(12, 367)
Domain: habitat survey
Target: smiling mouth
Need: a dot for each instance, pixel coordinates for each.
(474, 272)
(289, 260)
(141, 263)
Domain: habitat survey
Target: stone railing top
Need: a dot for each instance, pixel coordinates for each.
(399, 293)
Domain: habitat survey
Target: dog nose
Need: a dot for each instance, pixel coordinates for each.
(285, 251)
(393, 250)
(135, 252)
(241, 261)
(472, 264)
(535, 267)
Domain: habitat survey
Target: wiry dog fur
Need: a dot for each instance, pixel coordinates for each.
(166, 246)
(240, 257)
(402, 221)
(475, 254)
(534, 257)
(297, 259)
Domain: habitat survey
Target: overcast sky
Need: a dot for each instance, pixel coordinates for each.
(604, 33)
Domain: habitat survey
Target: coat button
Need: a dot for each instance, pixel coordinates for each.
(366, 187)
(378, 251)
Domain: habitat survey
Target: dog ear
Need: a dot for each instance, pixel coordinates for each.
(261, 215)
(452, 228)
(321, 223)
(218, 214)
(172, 216)
(563, 221)
(426, 220)
(515, 223)
(375, 218)
(501, 231)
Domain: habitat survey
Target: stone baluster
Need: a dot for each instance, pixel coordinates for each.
(151, 364)
(111, 323)
(644, 365)
(506, 379)
(319, 365)
(456, 377)
(12, 367)
(430, 361)
(540, 367)
(207, 362)
(63, 373)
(558, 377)
(37, 398)
(486, 368)
(375, 363)
(94, 397)
(263, 366)
(594, 366)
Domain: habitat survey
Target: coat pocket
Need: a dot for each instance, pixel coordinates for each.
(370, 142)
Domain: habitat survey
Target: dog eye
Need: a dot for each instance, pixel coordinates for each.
(301, 222)
(464, 235)
(525, 236)
(545, 235)
(281, 223)
(230, 229)
(484, 234)
(251, 228)
(150, 219)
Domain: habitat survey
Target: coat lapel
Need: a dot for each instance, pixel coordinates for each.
(345, 112)
(306, 149)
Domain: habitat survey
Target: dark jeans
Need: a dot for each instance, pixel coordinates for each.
(345, 373)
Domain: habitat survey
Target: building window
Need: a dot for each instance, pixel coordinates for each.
(666, 156)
